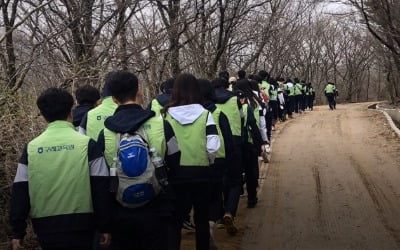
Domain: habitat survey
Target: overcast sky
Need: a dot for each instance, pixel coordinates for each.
(334, 7)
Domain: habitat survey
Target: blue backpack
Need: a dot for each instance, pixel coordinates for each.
(137, 182)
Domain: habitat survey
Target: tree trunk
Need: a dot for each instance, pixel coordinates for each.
(173, 34)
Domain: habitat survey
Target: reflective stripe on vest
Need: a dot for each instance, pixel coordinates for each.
(97, 116)
(58, 176)
(216, 114)
(232, 112)
(110, 146)
(192, 140)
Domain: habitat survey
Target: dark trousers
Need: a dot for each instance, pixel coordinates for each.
(297, 102)
(292, 102)
(274, 106)
(232, 180)
(216, 189)
(216, 205)
(250, 164)
(198, 195)
(268, 123)
(305, 102)
(311, 102)
(301, 103)
(331, 100)
(232, 194)
(281, 112)
(67, 248)
(334, 102)
(76, 240)
(146, 232)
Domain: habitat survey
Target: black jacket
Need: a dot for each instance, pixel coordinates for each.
(79, 112)
(162, 99)
(222, 95)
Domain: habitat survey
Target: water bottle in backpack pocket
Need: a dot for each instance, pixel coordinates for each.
(137, 182)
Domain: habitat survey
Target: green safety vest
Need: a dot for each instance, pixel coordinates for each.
(266, 86)
(192, 140)
(154, 128)
(231, 110)
(221, 152)
(297, 89)
(97, 116)
(291, 90)
(274, 95)
(330, 89)
(58, 176)
(156, 107)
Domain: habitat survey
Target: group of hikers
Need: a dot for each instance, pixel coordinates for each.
(112, 174)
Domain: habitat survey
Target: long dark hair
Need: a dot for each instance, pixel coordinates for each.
(244, 86)
(186, 91)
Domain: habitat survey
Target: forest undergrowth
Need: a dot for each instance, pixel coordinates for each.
(20, 122)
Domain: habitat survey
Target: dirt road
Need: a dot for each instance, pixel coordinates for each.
(333, 183)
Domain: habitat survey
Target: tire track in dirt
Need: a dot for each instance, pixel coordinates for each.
(378, 197)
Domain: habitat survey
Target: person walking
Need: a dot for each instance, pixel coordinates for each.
(273, 101)
(199, 142)
(311, 96)
(253, 141)
(93, 122)
(298, 96)
(62, 183)
(290, 89)
(87, 98)
(223, 160)
(230, 105)
(330, 92)
(158, 103)
(142, 207)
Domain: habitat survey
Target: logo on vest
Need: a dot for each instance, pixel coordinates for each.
(42, 150)
(101, 117)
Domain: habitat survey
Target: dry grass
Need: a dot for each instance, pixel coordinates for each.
(19, 122)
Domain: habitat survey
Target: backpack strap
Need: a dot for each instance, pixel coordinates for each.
(115, 158)
(140, 132)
